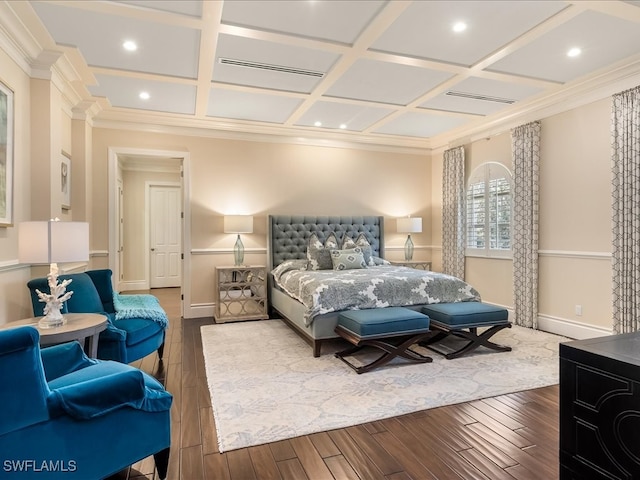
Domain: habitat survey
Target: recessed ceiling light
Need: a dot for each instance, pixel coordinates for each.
(343, 126)
(144, 95)
(130, 46)
(574, 52)
(318, 124)
(459, 27)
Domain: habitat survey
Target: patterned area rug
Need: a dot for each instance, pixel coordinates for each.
(266, 386)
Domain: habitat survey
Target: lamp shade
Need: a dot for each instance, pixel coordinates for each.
(410, 225)
(53, 242)
(238, 224)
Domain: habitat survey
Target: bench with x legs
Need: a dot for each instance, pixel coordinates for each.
(392, 330)
(462, 320)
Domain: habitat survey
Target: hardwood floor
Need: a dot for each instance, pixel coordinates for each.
(512, 436)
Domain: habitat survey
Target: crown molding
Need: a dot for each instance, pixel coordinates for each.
(246, 131)
(607, 82)
(16, 40)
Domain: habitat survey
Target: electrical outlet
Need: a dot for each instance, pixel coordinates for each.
(579, 310)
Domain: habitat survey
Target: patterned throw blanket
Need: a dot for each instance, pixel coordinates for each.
(139, 306)
(324, 291)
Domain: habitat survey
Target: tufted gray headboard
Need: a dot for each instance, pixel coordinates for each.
(289, 234)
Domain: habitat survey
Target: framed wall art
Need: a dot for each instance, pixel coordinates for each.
(6, 156)
(65, 180)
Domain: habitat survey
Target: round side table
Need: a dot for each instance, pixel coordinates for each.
(79, 326)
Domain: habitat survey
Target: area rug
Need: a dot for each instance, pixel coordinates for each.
(266, 386)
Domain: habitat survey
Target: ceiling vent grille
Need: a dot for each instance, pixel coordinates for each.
(484, 98)
(273, 68)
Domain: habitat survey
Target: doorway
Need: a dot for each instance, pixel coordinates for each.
(132, 175)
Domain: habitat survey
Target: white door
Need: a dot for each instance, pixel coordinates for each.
(165, 232)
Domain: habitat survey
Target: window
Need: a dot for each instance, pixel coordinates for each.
(489, 200)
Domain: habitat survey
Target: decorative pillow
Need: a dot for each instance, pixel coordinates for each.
(318, 255)
(363, 243)
(379, 261)
(348, 243)
(348, 259)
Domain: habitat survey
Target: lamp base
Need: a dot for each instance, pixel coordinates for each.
(408, 249)
(238, 252)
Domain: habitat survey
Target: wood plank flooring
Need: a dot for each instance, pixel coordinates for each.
(512, 436)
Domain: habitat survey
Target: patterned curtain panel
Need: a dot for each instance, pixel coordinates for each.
(625, 131)
(453, 213)
(525, 148)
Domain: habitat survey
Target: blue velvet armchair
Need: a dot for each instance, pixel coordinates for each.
(67, 416)
(125, 339)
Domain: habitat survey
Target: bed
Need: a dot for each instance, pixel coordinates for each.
(310, 301)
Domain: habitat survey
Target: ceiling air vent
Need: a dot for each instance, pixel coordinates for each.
(484, 98)
(273, 68)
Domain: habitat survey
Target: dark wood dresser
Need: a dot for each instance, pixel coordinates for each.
(600, 408)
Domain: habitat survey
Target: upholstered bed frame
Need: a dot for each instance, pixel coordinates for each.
(288, 239)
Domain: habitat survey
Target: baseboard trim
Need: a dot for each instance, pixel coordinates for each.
(128, 285)
(199, 310)
(547, 323)
(570, 328)
(562, 326)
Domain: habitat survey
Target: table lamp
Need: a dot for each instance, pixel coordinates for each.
(52, 242)
(409, 225)
(238, 224)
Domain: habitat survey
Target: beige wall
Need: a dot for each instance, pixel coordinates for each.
(575, 216)
(575, 221)
(257, 178)
(43, 128)
(14, 299)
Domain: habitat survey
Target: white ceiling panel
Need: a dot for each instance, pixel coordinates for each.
(415, 124)
(162, 49)
(603, 39)
(258, 107)
(192, 8)
(480, 96)
(334, 115)
(386, 82)
(380, 68)
(269, 54)
(163, 97)
(340, 21)
(424, 30)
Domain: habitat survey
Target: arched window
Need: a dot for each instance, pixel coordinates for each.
(489, 198)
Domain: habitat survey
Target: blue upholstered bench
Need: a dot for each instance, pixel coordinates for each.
(392, 330)
(462, 320)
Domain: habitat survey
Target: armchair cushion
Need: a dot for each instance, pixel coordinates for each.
(62, 359)
(98, 395)
(138, 329)
(102, 281)
(85, 296)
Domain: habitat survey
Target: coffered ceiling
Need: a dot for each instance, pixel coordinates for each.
(385, 72)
